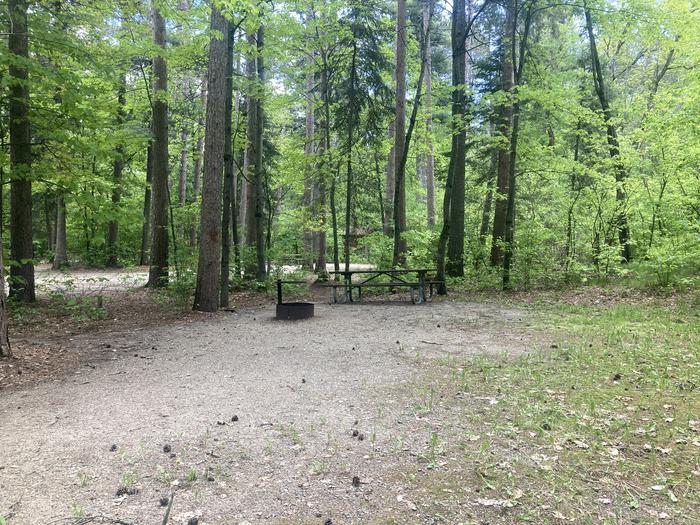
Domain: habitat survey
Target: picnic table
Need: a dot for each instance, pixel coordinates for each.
(415, 279)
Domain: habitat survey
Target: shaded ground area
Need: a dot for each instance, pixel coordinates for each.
(243, 417)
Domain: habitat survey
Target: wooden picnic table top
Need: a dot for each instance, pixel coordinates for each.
(402, 271)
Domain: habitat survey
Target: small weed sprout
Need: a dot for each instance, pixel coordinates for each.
(129, 478)
(83, 479)
(191, 475)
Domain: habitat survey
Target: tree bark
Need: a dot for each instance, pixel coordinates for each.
(324, 151)
(60, 258)
(250, 160)
(430, 157)
(112, 241)
(261, 266)
(454, 265)
(50, 216)
(197, 168)
(390, 180)
(400, 137)
(182, 174)
(351, 128)
(334, 220)
(207, 292)
(510, 210)
(158, 270)
(309, 151)
(505, 123)
(401, 166)
(146, 230)
(21, 249)
(5, 347)
(229, 200)
(613, 144)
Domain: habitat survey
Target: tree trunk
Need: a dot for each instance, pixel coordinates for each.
(324, 150)
(112, 241)
(334, 220)
(60, 258)
(21, 249)
(613, 144)
(261, 266)
(510, 210)
(5, 347)
(430, 157)
(229, 197)
(207, 292)
(400, 137)
(454, 265)
(182, 174)
(486, 209)
(50, 216)
(505, 122)
(197, 169)
(390, 180)
(249, 162)
(401, 166)
(158, 271)
(351, 125)
(146, 230)
(309, 150)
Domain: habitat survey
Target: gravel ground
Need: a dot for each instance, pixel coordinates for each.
(243, 418)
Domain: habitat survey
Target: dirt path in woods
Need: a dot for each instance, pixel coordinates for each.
(243, 418)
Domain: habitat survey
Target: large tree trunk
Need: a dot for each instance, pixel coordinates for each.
(146, 230)
(207, 292)
(454, 265)
(430, 157)
(505, 122)
(158, 271)
(400, 137)
(21, 249)
(613, 144)
(229, 200)
(60, 258)
(260, 259)
(112, 241)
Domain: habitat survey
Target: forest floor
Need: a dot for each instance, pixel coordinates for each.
(571, 407)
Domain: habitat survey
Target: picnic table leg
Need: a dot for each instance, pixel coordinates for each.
(421, 287)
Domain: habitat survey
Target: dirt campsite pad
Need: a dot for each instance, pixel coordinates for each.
(242, 418)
